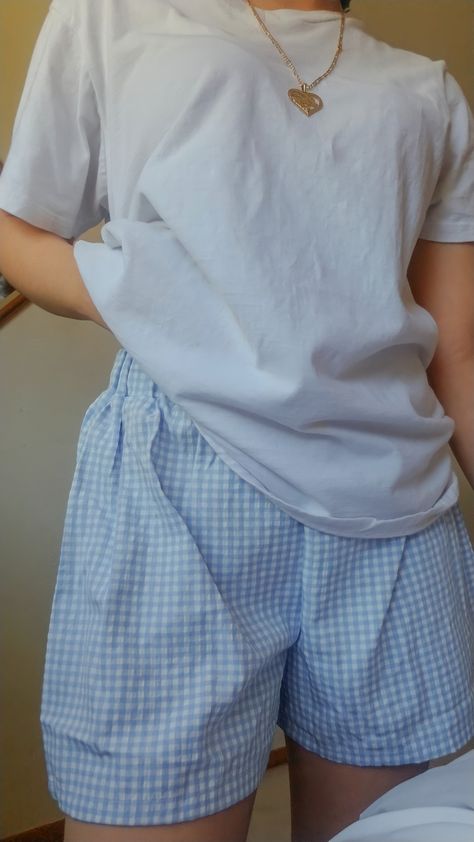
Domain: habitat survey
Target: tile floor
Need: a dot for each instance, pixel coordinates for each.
(271, 814)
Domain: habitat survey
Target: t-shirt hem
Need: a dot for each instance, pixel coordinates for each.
(348, 527)
(15, 199)
(449, 233)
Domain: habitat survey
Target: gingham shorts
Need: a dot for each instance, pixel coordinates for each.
(191, 616)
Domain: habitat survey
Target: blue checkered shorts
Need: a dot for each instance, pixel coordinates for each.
(191, 616)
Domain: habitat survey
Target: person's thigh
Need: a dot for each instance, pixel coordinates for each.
(231, 824)
(327, 797)
(380, 679)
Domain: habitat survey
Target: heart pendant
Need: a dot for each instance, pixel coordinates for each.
(305, 101)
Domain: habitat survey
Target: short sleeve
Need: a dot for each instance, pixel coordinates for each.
(54, 174)
(450, 216)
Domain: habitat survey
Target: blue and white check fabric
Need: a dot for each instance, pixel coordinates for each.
(191, 616)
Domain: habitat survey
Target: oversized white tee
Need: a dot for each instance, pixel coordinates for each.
(254, 260)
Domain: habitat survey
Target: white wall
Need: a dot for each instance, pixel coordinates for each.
(51, 369)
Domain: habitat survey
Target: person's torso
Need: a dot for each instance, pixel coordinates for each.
(285, 323)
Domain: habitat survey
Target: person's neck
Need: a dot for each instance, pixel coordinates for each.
(303, 5)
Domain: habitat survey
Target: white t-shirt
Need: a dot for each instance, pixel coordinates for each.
(253, 259)
(436, 806)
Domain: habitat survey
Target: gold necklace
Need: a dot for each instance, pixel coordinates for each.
(304, 100)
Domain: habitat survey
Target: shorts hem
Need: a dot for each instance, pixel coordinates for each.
(434, 738)
(133, 809)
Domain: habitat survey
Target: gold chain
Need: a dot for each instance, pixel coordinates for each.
(302, 100)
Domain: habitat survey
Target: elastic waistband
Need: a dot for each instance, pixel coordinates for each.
(127, 378)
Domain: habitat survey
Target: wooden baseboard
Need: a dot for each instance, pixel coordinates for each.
(47, 833)
(55, 832)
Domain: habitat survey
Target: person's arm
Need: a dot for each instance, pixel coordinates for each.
(41, 266)
(441, 277)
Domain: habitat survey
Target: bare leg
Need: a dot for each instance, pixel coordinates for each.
(230, 825)
(326, 797)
